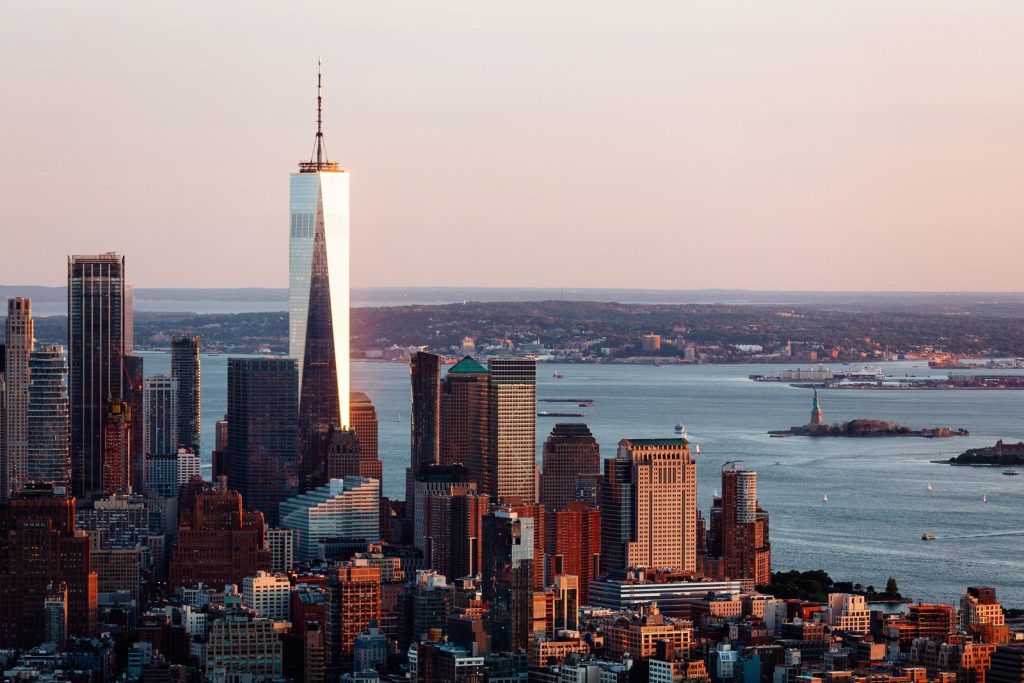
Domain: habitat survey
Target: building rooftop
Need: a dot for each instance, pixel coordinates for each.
(467, 366)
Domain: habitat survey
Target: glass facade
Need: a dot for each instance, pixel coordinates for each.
(161, 419)
(262, 450)
(319, 217)
(49, 457)
(185, 369)
(95, 360)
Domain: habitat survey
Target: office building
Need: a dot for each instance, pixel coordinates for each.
(241, 644)
(134, 377)
(507, 578)
(444, 663)
(268, 594)
(185, 369)
(165, 474)
(345, 457)
(574, 545)
(20, 336)
(353, 602)
(95, 361)
(161, 415)
(512, 429)
(318, 294)
(567, 602)
(342, 508)
(370, 651)
(639, 634)
(649, 506)
(453, 530)
(262, 458)
(570, 454)
(117, 569)
(39, 545)
(55, 617)
(118, 521)
(363, 421)
(281, 544)
(117, 444)
(430, 598)
(463, 417)
(424, 420)
(740, 531)
(218, 542)
(49, 454)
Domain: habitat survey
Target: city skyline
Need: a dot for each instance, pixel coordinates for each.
(840, 128)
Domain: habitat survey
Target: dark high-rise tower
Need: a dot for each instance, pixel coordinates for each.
(424, 421)
(262, 459)
(185, 369)
(570, 454)
(133, 386)
(463, 416)
(95, 360)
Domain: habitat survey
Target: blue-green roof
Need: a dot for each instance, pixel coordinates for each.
(467, 366)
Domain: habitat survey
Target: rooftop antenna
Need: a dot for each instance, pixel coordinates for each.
(320, 150)
(318, 161)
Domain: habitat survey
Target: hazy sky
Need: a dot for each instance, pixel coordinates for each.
(767, 145)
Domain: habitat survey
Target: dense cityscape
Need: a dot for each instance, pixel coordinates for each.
(120, 561)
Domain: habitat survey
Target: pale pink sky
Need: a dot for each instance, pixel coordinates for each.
(763, 145)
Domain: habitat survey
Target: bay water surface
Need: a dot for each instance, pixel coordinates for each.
(878, 498)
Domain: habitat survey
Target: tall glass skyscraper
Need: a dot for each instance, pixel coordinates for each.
(318, 295)
(49, 456)
(161, 415)
(185, 369)
(95, 361)
(261, 459)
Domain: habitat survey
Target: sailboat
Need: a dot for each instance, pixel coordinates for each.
(929, 486)
(984, 498)
(825, 499)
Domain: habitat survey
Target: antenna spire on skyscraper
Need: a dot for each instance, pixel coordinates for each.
(318, 161)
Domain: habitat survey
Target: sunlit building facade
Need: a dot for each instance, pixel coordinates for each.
(318, 295)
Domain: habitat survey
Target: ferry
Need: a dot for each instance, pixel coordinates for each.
(1010, 472)
(927, 537)
(559, 413)
(680, 429)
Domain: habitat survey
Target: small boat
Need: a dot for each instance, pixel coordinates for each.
(1010, 472)
(930, 486)
(984, 499)
(927, 537)
(825, 498)
(698, 450)
(717, 494)
(557, 375)
(777, 462)
(680, 429)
